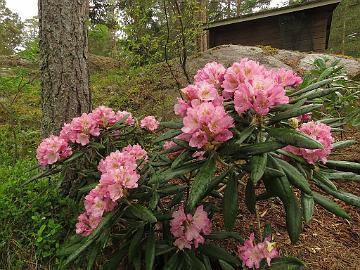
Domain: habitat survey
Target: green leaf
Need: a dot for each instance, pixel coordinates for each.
(324, 180)
(330, 205)
(200, 182)
(217, 252)
(172, 124)
(171, 189)
(286, 263)
(347, 197)
(256, 149)
(92, 237)
(343, 165)
(294, 112)
(225, 266)
(271, 172)
(120, 122)
(195, 263)
(173, 263)
(292, 137)
(230, 207)
(220, 235)
(142, 213)
(250, 197)
(135, 243)
(117, 257)
(257, 167)
(343, 144)
(312, 87)
(150, 252)
(317, 93)
(307, 203)
(154, 200)
(243, 135)
(174, 173)
(168, 135)
(92, 257)
(180, 159)
(74, 156)
(295, 177)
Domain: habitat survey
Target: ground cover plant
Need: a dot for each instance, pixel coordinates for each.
(150, 205)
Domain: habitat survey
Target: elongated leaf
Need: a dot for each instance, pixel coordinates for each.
(294, 176)
(270, 172)
(324, 180)
(92, 237)
(172, 124)
(294, 112)
(330, 205)
(168, 135)
(292, 137)
(154, 200)
(150, 252)
(173, 263)
(161, 249)
(343, 144)
(142, 213)
(256, 149)
(180, 159)
(292, 156)
(171, 189)
(194, 262)
(312, 87)
(257, 167)
(230, 203)
(337, 175)
(117, 257)
(250, 197)
(213, 251)
(341, 195)
(307, 203)
(213, 184)
(135, 243)
(176, 172)
(245, 134)
(74, 156)
(317, 93)
(225, 266)
(343, 165)
(200, 182)
(286, 263)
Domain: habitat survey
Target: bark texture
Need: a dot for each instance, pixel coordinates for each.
(64, 71)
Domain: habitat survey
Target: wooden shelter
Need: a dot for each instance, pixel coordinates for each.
(302, 27)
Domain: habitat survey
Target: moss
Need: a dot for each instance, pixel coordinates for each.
(268, 50)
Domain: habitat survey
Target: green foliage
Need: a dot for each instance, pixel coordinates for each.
(34, 218)
(101, 40)
(10, 30)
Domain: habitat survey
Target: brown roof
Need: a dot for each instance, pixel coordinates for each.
(273, 12)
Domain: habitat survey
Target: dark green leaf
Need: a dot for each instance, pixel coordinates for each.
(217, 252)
(307, 203)
(257, 167)
(330, 205)
(150, 252)
(168, 135)
(292, 137)
(142, 213)
(230, 207)
(250, 197)
(286, 263)
(200, 182)
(135, 243)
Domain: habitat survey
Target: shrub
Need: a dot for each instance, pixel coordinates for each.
(153, 209)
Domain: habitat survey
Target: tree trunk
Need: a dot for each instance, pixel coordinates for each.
(64, 71)
(238, 7)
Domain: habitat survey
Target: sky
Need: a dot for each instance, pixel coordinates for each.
(25, 8)
(28, 8)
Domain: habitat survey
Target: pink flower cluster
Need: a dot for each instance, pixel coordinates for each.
(251, 255)
(204, 117)
(118, 174)
(305, 117)
(51, 150)
(189, 229)
(319, 132)
(150, 123)
(79, 131)
(254, 87)
(212, 73)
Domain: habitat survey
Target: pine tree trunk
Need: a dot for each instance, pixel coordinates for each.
(64, 71)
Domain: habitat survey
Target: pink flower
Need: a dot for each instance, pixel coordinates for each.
(118, 174)
(198, 139)
(129, 120)
(103, 116)
(255, 87)
(150, 123)
(190, 230)
(51, 150)
(286, 78)
(251, 255)
(170, 144)
(181, 107)
(206, 92)
(190, 92)
(212, 73)
(319, 132)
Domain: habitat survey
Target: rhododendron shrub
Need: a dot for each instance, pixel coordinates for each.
(170, 205)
